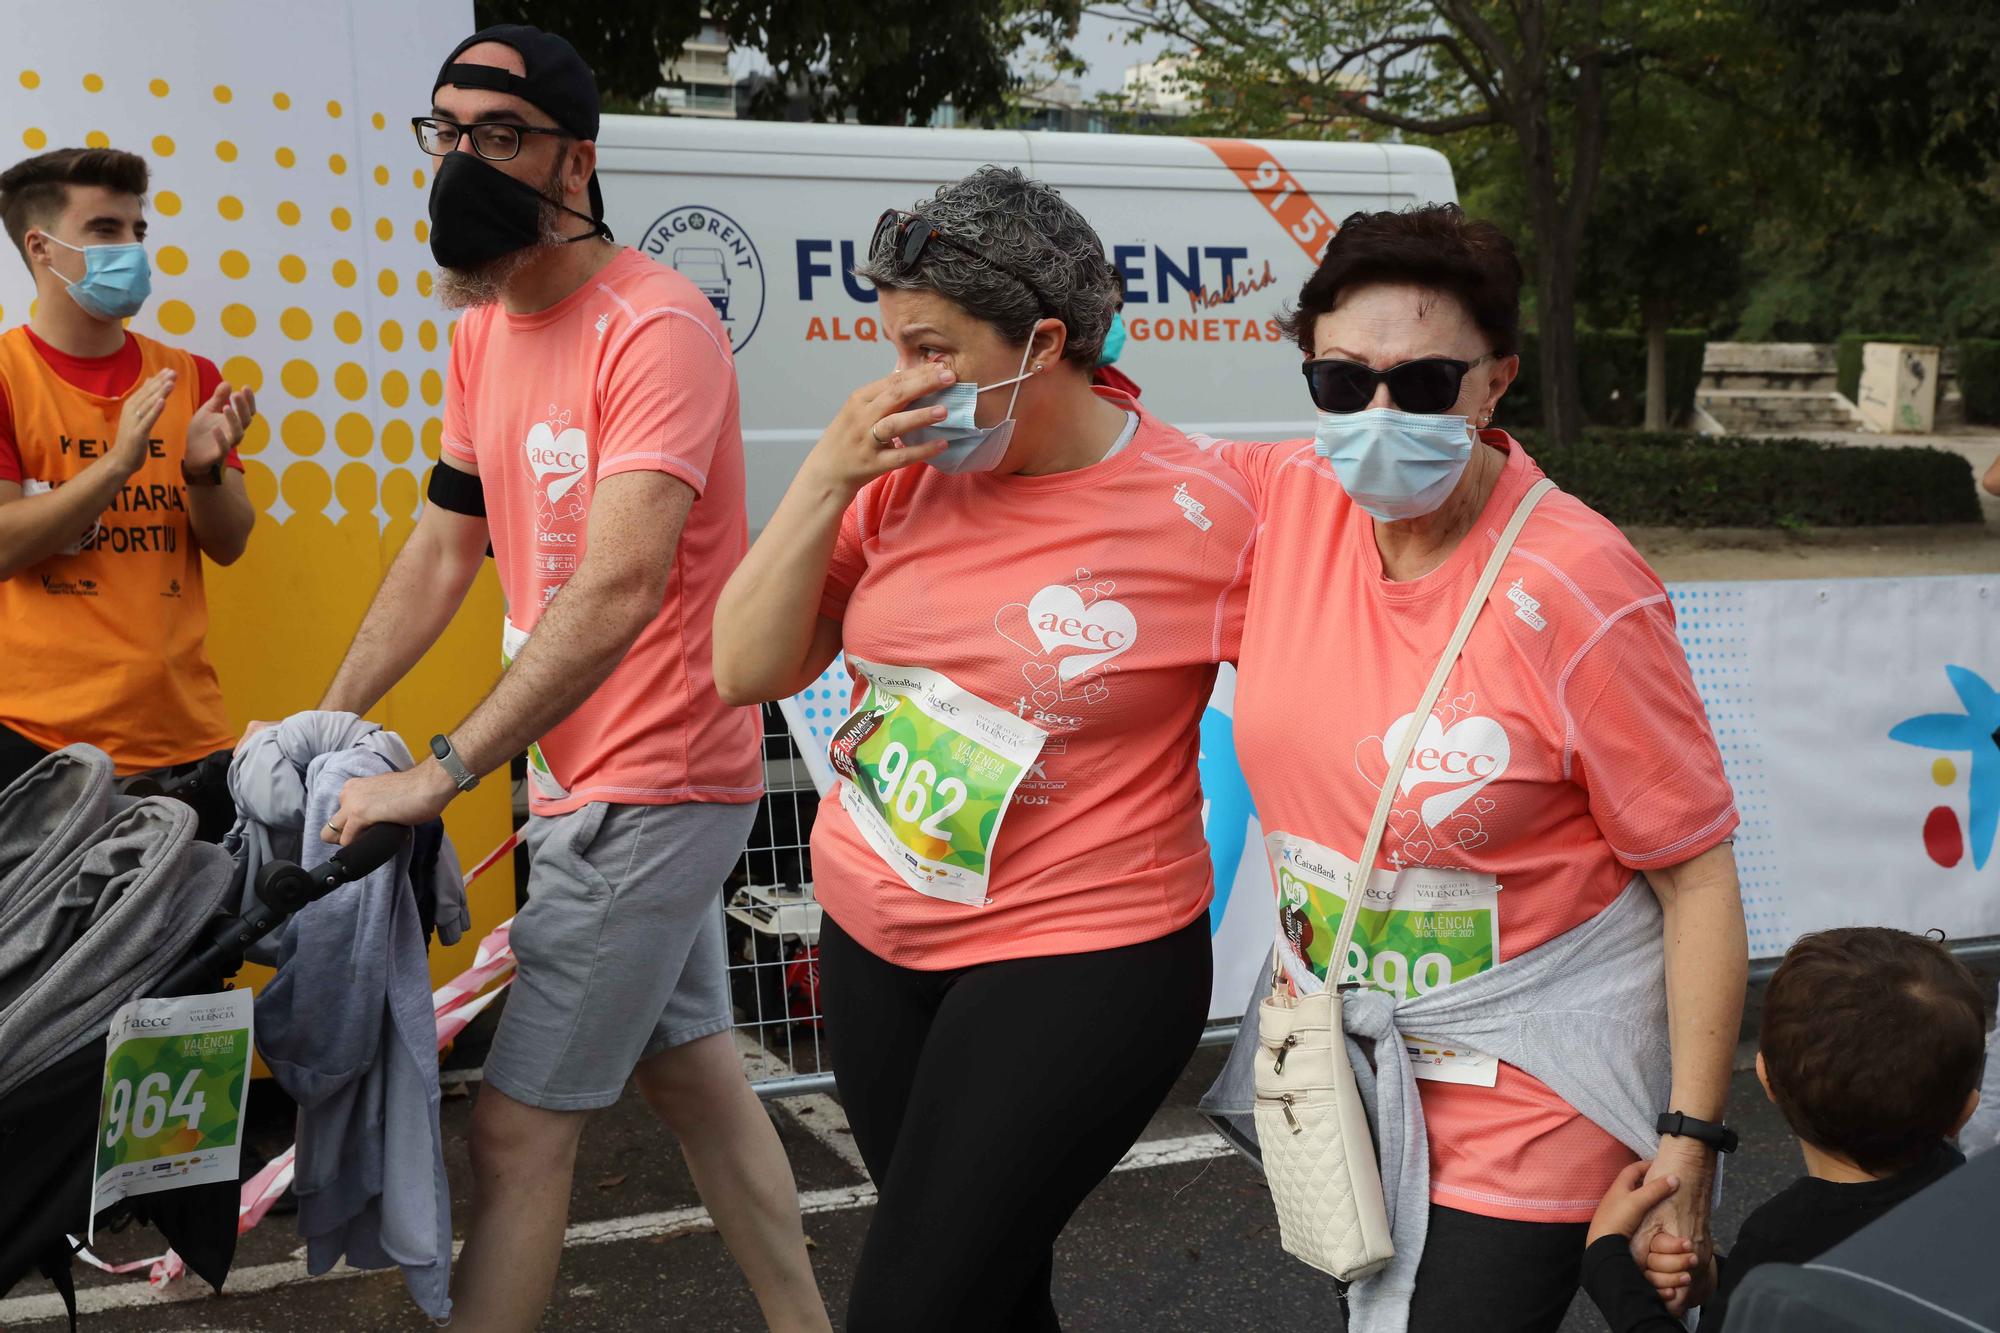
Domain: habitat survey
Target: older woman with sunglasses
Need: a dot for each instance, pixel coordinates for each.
(1032, 582)
(1567, 766)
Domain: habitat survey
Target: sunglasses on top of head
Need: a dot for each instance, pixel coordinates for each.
(905, 237)
(1425, 387)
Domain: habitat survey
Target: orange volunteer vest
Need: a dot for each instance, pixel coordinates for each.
(103, 642)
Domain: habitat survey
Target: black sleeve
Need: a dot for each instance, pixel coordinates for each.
(1623, 1295)
(1729, 1275)
(457, 490)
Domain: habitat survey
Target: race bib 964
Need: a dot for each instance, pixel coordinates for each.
(176, 1074)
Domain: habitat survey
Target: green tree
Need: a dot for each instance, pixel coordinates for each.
(1883, 252)
(1656, 248)
(887, 62)
(1542, 74)
(1898, 83)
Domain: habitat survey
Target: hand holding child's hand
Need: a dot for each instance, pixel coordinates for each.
(1628, 1201)
(1669, 1265)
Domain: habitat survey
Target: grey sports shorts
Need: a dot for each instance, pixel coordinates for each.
(618, 954)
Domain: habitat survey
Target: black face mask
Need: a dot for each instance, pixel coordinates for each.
(479, 213)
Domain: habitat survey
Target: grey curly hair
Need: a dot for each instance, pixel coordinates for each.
(1024, 225)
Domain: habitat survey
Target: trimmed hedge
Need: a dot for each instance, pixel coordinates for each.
(1979, 379)
(1611, 365)
(1847, 357)
(1666, 479)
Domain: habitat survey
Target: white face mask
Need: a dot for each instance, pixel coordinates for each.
(1396, 465)
(116, 279)
(972, 447)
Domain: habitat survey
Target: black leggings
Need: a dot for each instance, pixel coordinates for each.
(1495, 1275)
(987, 1103)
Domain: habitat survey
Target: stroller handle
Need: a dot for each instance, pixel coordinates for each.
(368, 853)
(282, 889)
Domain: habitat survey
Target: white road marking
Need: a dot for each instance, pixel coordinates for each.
(136, 1294)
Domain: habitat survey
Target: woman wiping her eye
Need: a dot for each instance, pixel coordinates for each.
(1032, 582)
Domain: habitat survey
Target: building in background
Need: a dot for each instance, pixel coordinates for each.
(698, 80)
(1159, 88)
(1156, 95)
(1057, 105)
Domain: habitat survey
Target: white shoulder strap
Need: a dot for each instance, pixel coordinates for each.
(1365, 863)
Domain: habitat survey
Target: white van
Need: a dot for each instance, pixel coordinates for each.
(1213, 237)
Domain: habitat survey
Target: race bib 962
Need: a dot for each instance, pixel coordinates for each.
(927, 773)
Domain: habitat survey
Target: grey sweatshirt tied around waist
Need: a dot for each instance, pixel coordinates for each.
(1586, 1013)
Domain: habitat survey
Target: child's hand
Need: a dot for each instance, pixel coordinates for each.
(1670, 1265)
(1628, 1201)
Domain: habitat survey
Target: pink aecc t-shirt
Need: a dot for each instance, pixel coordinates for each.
(631, 372)
(1568, 752)
(1092, 606)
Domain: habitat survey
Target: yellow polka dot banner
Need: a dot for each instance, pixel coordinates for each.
(288, 248)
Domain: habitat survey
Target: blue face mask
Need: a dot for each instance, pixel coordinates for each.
(116, 279)
(1396, 465)
(973, 448)
(1114, 341)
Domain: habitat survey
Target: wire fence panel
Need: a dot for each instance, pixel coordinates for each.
(771, 922)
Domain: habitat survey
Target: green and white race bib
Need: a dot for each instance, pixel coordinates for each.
(927, 773)
(1421, 929)
(176, 1073)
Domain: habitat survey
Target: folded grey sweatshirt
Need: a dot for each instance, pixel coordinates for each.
(347, 1028)
(267, 778)
(1586, 1013)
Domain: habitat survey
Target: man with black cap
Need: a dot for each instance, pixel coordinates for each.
(591, 434)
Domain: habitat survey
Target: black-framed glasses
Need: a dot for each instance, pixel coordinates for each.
(908, 235)
(494, 140)
(1427, 386)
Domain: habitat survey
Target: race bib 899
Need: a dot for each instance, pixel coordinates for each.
(1421, 929)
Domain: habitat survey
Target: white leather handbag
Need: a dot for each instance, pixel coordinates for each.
(1318, 1150)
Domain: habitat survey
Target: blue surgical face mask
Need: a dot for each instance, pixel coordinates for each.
(973, 448)
(1396, 465)
(116, 279)
(1114, 341)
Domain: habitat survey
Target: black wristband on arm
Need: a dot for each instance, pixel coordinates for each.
(457, 490)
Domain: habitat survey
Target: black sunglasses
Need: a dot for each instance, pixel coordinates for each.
(494, 140)
(907, 235)
(1426, 387)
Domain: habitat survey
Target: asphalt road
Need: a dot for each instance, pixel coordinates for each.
(1183, 1238)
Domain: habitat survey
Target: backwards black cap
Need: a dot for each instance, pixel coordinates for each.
(557, 82)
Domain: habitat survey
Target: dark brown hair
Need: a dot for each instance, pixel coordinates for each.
(1434, 246)
(1872, 1040)
(35, 191)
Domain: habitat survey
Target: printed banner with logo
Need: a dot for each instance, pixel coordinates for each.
(1859, 722)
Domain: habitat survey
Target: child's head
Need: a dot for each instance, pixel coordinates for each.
(1872, 1044)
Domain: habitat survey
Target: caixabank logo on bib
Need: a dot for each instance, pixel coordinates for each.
(711, 251)
(1973, 734)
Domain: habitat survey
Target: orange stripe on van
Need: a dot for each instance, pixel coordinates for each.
(1279, 191)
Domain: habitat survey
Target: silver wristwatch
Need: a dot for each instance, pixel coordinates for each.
(454, 767)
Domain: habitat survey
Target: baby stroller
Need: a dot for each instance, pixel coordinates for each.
(105, 898)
